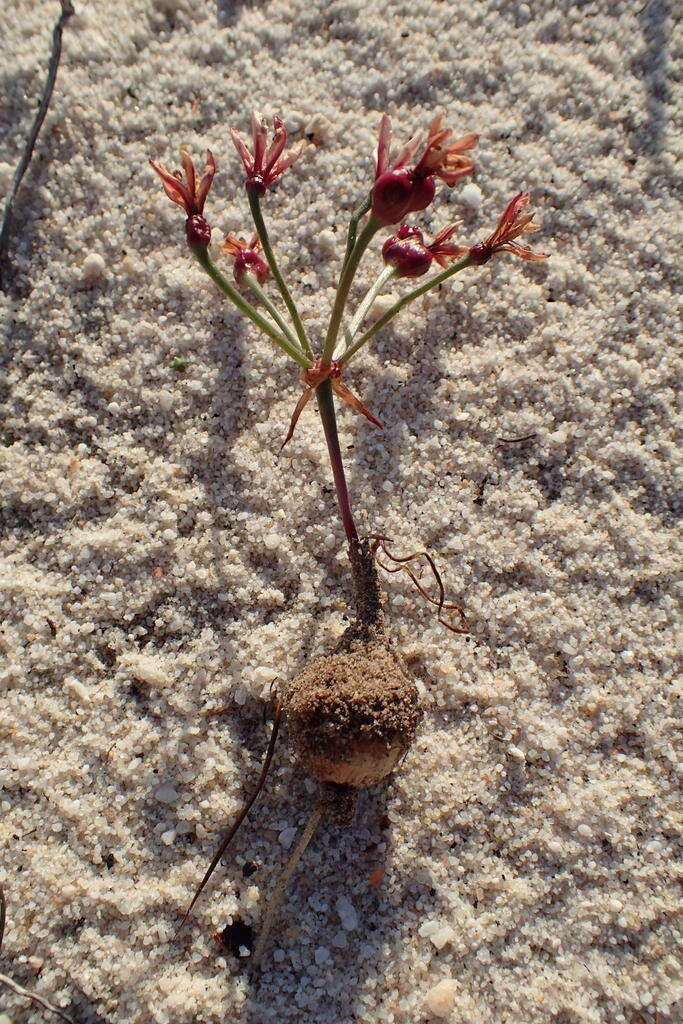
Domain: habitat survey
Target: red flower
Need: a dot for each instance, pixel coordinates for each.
(443, 158)
(312, 378)
(246, 257)
(190, 194)
(402, 189)
(407, 252)
(513, 223)
(265, 165)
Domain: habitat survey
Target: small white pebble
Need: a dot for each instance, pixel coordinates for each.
(440, 999)
(166, 794)
(243, 951)
(94, 268)
(77, 689)
(318, 129)
(165, 399)
(286, 837)
(327, 242)
(272, 541)
(471, 195)
(382, 304)
(347, 914)
(168, 837)
(442, 937)
(516, 754)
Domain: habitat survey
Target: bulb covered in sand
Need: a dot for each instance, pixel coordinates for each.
(353, 714)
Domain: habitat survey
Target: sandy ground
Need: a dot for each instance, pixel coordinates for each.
(161, 567)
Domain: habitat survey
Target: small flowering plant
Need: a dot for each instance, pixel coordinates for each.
(404, 184)
(352, 713)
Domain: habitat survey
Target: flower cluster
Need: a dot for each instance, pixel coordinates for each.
(403, 185)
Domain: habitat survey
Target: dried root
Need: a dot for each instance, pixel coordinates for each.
(401, 565)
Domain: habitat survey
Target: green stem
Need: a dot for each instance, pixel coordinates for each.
(347, 275)
(356, 216)
(363, 309)
(255, 207)
(205, 261)
(433, 282)
(251, 282)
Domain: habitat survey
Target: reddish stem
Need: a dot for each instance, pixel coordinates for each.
(329, 419)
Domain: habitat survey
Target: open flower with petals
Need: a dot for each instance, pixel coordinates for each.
(312, 378)
(514, 222)
(403, 187)
(443, 157)
(190, 193)
(265, 164)
(409, 254)
(246, 258)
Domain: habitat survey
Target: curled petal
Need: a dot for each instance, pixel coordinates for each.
(173, 187)
(298, 409)
(190, 176)
(259, 134)
(277, 145)
(445, 233)
(347, 396)
(243, 153)
(523, 251)
(207, 179)
(383, 146)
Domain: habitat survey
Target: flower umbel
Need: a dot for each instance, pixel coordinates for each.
(190, 194)
(513, 223)
(246, 258)
(410, 256)
(401, 189)
(266, 164)
(312, 378)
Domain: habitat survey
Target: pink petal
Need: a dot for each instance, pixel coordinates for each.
(174, 189)
(408, 151)
(259, 133)
(383, 146)
(276, 147)
(244, 154)
(207, 179)
(190, 177)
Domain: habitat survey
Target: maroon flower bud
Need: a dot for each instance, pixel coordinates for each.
(407, 253)
(391, 196)
(246, 258)
(480, 253)
(401, 188)
(198, 232)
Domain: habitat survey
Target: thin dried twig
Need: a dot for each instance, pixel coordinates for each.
(22, 167)
(516, 440)
(19, 989)
(232, 831)
(400, 561)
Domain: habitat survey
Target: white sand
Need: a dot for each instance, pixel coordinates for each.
(527, 846)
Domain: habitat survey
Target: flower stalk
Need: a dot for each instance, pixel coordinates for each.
(259, 224)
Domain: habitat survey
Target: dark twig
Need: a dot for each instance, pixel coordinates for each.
(516, 440)
(379, 544)
(230, 835)
(67, 11)
(2, 915)
(19, 989)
